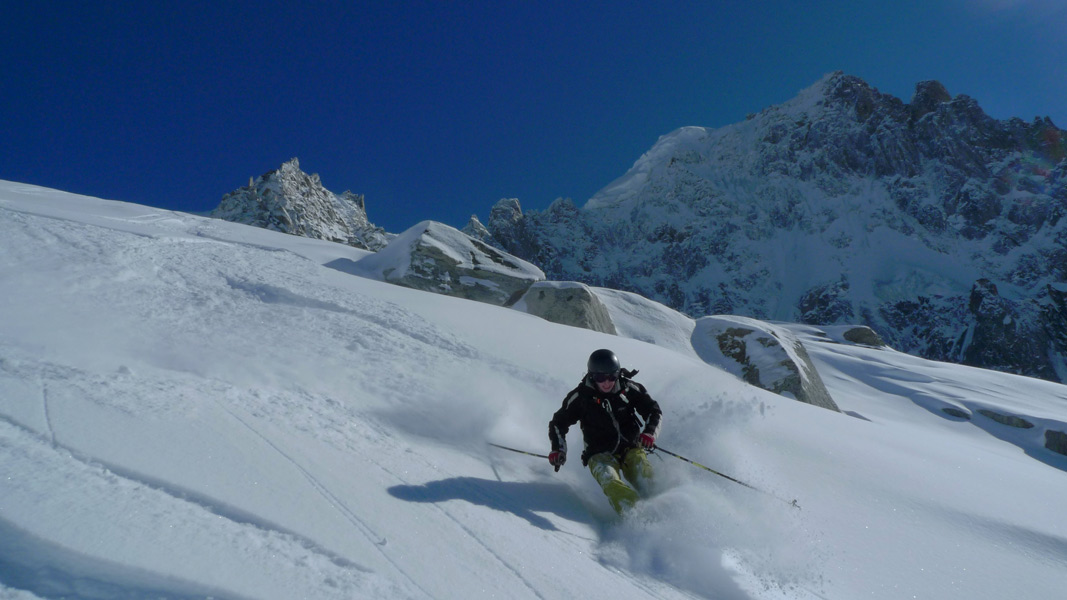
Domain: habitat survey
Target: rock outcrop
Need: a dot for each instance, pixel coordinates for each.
(763, 355)
(1003, 335)
(1009, 420)
(864, 336)
(437, 258)
(1056, 441)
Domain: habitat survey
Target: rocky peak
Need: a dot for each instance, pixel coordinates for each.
(290, 171)
(853, 92)
(506, 212)
(476, 230)
(355, 200)
(1047, 139)
(291, 201)
(928, 95)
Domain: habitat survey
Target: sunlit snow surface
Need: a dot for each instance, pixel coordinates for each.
(192, 408)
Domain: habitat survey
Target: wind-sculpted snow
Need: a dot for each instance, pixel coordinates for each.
(196, 408)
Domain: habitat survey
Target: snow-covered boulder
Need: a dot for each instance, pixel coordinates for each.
(857, 335)
(762, 354)
(437, 258)
(864, 336)
(294, 202)
(639, 318)
(567, 303)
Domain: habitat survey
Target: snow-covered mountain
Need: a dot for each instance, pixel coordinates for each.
(292, 201)
(938, 226)
(194, 408)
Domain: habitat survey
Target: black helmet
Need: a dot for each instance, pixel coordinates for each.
(604, 361)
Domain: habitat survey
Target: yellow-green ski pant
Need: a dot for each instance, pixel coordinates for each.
(635, 467)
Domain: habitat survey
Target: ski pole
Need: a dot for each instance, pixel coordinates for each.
(737, 481)
(519, 451)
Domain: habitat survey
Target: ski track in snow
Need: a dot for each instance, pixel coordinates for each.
(492, 553)
(377, 540)
(26, 370)
(219, 508)
(475, 491)
(47, 412)
(286, 550)
(192, 497)
(467, 530)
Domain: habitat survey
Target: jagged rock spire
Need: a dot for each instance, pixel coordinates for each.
(928, 94)
(291, 201)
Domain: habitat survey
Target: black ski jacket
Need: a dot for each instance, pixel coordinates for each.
(610, 422)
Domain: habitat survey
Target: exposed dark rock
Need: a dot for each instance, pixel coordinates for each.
(1054, 319)
(1009, 420)
(928, 95)
(865, 336)
(1004, 336)
(1056, 441)
(827, 304)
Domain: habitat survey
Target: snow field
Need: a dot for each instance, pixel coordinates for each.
(192, 408)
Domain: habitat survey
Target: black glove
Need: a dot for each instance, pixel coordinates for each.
(557, 458)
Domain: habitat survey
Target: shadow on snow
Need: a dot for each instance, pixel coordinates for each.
(522, 499)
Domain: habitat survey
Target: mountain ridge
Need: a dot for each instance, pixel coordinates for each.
(841, 205)
(930, 222)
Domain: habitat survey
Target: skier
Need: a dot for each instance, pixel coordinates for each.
(607, 404)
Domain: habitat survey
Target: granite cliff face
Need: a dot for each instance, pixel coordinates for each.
(934, 224)
(291, 201)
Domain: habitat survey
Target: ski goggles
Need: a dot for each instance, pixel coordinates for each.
(603, 377)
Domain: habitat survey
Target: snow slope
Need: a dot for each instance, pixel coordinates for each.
(193, 408)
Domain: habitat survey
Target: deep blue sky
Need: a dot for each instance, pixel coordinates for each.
(435, 110)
